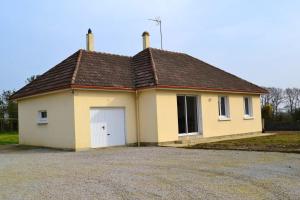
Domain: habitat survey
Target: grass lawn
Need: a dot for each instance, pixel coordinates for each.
(281, 142)
(9, 138)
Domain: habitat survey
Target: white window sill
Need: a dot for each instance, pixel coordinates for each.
(248, 117)
(186, 134)
(224, 118)
(42, 122)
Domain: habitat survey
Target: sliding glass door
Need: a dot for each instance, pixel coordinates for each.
(187, 108)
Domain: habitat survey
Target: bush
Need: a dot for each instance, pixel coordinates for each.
(266, 112)
(275, 125)
(296, 115)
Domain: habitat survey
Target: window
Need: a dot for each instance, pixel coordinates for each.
(223, 107)
(187, 108)
(248, 107)
(42, 117)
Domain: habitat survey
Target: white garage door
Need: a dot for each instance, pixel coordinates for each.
(107, 127)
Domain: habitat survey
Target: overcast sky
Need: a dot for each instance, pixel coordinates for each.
(256, 40)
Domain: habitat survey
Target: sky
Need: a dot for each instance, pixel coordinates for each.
(255, 40)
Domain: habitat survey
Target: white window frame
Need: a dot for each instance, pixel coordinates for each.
(250, 107)
(40, 119)
(227, 109)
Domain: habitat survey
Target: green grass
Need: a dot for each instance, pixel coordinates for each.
(9, 138)
(281, 142)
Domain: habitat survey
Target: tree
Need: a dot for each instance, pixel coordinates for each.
(7, 107)
(296, 114)
(266, 98)
(275, 97)
(297, 104)
(292, 98)
(266, 112)
(2, 108)
(31, 78)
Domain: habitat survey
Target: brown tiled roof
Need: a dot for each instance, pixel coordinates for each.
(142, 64)
(58, 77)
(149, 68)
(181, 70)
(104, 70)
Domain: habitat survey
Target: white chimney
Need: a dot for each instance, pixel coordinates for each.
(90, 40)
(146, 40)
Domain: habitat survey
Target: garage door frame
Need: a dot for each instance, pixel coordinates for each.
(109, 107)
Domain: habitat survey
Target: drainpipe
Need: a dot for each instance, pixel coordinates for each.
(137, 118)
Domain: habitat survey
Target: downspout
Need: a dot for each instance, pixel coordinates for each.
(137, 118)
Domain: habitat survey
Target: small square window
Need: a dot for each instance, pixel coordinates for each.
(248, 107)
(42, 117)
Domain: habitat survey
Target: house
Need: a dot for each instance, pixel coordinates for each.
(94, 99)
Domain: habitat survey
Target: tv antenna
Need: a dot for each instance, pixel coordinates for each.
(158, 22)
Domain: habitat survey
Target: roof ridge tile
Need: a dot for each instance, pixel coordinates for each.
(167, 51)
(153, 67)
(76, 67)
(105, 53)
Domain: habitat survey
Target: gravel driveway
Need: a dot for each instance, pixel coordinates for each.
(148, 173)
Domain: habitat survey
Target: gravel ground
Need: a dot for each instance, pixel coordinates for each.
(148, 173)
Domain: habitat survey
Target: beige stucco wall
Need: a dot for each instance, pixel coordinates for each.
(85, 99)
(212, 126)
(148, 116)
(69, 116)
(59, 132)
(167, 124)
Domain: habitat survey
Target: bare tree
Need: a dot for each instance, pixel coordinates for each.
(277, 98)
(297, 99)
(291, 98)
(266, 98)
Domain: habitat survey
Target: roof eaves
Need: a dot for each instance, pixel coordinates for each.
(76, 67)
(76, 86)
(176, 87)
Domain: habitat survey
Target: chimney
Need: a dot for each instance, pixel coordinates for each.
(89, 41)
(146, 40)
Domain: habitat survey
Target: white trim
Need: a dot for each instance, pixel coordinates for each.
(199, 114)
(250, 107)
(40, 119)
(186, 134)
(223, 118)
(227, 108)
(186, 120)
